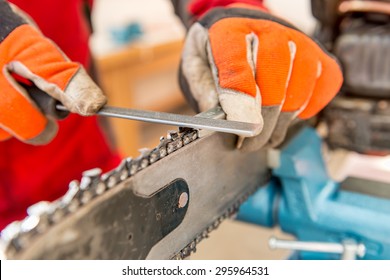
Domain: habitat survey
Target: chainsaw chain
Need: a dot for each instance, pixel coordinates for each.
(43, 215)
(230, 212)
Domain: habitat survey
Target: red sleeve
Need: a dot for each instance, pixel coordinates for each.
(199, 7)
(90, 3)
(63, 22)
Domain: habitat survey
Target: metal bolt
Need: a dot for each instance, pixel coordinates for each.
(72, 192)
(92, 173)
(185, 252)
(183, 200)
(134, 169)
(57, 215)
(86, 197)
(29, 223)
(124, 175)
(111, 181)
(73, 206)
(193, 245)
(144, 163)
(172, 134)
(186, 140)
(100, 188)
(153, 157)
(171, 148)
(163, 152)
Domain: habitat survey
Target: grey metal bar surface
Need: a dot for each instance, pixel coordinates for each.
(202, 121)
(100, 228)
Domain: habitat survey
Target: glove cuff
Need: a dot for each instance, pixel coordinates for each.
(9, 20)
(198, 8)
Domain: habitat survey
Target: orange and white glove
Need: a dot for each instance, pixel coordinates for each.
(26, 53)
(259, 68)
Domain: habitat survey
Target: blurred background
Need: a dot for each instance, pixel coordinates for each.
(137, 47)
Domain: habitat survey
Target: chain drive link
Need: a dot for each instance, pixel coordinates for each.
(42, 216)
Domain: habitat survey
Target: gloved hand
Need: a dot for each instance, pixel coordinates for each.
(26, 53)
(259, 68)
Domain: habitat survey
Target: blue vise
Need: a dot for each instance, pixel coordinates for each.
(304, 201)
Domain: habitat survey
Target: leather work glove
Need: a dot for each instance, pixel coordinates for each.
(26, 53)
(259, 68)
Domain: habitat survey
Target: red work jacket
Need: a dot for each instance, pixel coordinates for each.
(29, 174)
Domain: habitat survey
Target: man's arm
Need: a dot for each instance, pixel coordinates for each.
(257, 67)
(26, 56)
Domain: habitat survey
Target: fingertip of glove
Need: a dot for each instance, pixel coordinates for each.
(241, 107)
(90, 102)
(83, 96)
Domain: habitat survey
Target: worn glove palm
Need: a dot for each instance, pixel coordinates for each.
(24, 51)
(259, 68)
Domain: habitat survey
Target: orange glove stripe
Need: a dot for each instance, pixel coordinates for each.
(304, 73)
(228, 46)
(23, 119)
(39, 54)
(328, 85)
(273, 62)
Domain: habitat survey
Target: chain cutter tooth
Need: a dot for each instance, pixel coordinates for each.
(17, 235)
(123, 170)
(88, 184)
(191, 247)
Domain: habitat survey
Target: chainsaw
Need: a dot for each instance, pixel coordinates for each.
(159, 205)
